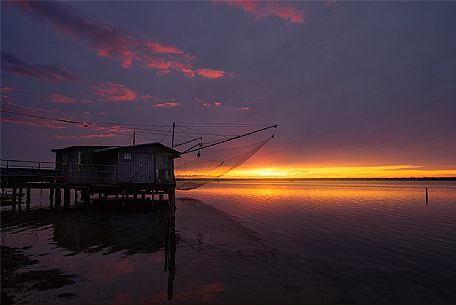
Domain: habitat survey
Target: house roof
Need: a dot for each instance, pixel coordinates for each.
(80, 147)
(99, 149)
(164, 147)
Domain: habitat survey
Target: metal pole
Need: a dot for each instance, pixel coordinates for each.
(172, 140)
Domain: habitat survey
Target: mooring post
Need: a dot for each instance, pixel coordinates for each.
(14, 198)
(58, 198)
(51, 198)
(66, 197)
(28, 199)
(427, 196)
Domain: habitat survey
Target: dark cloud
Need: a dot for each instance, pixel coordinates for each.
(14, 64)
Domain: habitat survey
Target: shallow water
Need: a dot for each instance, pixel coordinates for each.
(255, 243)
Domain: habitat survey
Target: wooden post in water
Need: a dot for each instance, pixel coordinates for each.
(143, 195)
(58, 198)
(51, 198)
(13, 199)
(66, 197)
(427, 196)
(135, 196)
(28, 199)
(20, 199)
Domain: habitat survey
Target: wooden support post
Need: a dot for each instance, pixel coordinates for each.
(143, 195)
(58, 198)
(135, 196)
(66, 198)
(14, 199)
(172, 199)
(19, 197)
(28, 199)
(100, 196)
(51, 198)
(85, 196)
(75, 197)
(160, 198)
(427, 196)
(124, 197)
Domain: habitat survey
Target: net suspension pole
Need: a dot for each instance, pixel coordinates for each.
(172, 139)
(229, 139)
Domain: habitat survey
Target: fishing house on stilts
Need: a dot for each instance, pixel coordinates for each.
(117, 172)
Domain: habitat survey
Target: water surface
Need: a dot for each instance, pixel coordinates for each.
(254, 243)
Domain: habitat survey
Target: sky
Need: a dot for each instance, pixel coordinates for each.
(358, 89)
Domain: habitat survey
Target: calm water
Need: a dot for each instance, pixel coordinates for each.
(255, 243)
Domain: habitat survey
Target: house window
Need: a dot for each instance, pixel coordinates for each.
(126, 156)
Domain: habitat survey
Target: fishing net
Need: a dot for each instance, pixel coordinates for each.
(201, 167)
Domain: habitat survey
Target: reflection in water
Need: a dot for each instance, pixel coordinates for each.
(128, 232)
(256, 243)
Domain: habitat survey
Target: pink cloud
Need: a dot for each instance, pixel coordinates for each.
(245, 108)
(61, 99)
(115, 92)
(212, 74)
(261, 9)
(168, 104)
(5, 92)
(111, 42)
(210, 104)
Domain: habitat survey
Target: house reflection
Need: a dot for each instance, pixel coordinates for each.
(129, 232)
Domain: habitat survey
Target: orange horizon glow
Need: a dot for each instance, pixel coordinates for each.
(293, 172)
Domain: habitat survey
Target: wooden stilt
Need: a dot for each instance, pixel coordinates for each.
(28, 199)
(19, 197)
(14, 199)
(58, 198)
(51, 198)
(66, 197)
(75, 197)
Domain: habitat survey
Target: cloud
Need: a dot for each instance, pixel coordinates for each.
(61, 99)
(5, 92)
(115, 92)
(261, 9)
(210, 104)
(19, 66)
(111, 42)
(37, 121)
(211, 73)
(168, 104)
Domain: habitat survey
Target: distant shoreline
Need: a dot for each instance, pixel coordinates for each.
(322, 179)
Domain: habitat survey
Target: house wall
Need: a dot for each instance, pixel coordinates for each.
(147, 165)
(76, 166)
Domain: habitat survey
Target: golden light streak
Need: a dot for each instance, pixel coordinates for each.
(388, 171)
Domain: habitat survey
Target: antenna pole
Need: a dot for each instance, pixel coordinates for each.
(230, 139)
(134, 137)
(172, 140)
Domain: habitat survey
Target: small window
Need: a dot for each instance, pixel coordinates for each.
(126, 156)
